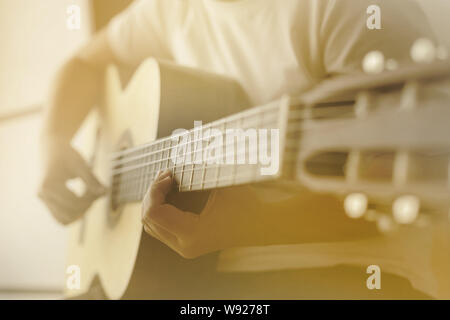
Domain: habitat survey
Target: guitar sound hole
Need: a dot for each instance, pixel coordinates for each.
(116, 207)
(113, 215)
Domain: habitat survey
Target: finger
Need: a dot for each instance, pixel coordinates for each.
(178, 222)
(158, 191)
(163, 174)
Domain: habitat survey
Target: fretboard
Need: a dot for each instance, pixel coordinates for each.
(134, 169)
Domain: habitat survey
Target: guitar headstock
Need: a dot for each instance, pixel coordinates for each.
(387, 152)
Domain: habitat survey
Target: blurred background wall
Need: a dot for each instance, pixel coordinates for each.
(438, 12)
(34, 40)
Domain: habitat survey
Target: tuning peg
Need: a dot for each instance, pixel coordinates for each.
(423, 51)
(362, 104)
(385, 224)
(406, 209)
(374, 62)
(355, 205)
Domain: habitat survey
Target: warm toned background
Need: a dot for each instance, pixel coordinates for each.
(34, 40)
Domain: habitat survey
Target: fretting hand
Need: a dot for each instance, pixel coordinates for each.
(235, 217)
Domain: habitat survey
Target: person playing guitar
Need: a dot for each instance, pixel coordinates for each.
(272, 48)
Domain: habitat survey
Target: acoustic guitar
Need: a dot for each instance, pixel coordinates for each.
(326, 139)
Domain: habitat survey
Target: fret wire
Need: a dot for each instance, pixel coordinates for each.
(202, 183)
(173, 163)
(153, 159)
(255, 169)
(154, 153)
(133, 168)
(193, 161)
(323, 111)
(203, 169)
(208, 168)
(218, 167)
(247, 113)
(142, 170)
(167, 157)
(147, 170)
(160, 157)
(136, 187)
(181, 178)
(130, 159)
(234, 168)
(212, 181)
(151, 167)
(141, 185)
(131, 177)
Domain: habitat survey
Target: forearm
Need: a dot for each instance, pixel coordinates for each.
(75, 91)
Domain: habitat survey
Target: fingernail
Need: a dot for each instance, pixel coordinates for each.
(167, 172)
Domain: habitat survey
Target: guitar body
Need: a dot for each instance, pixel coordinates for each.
(318, 139)
(108, 244)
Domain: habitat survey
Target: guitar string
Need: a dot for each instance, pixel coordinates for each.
(136, 187)
(137, 178)
(138, 182)
(232, 179)
(292, 128)
(192, 154)
(249, 112)
(293, 115)
(190, 143)
(141, 180)
(184, 136)
(243, 151)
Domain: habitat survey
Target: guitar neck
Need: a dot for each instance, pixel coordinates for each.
(220, 154)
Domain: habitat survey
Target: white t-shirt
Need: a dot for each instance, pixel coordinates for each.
(273, 47)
